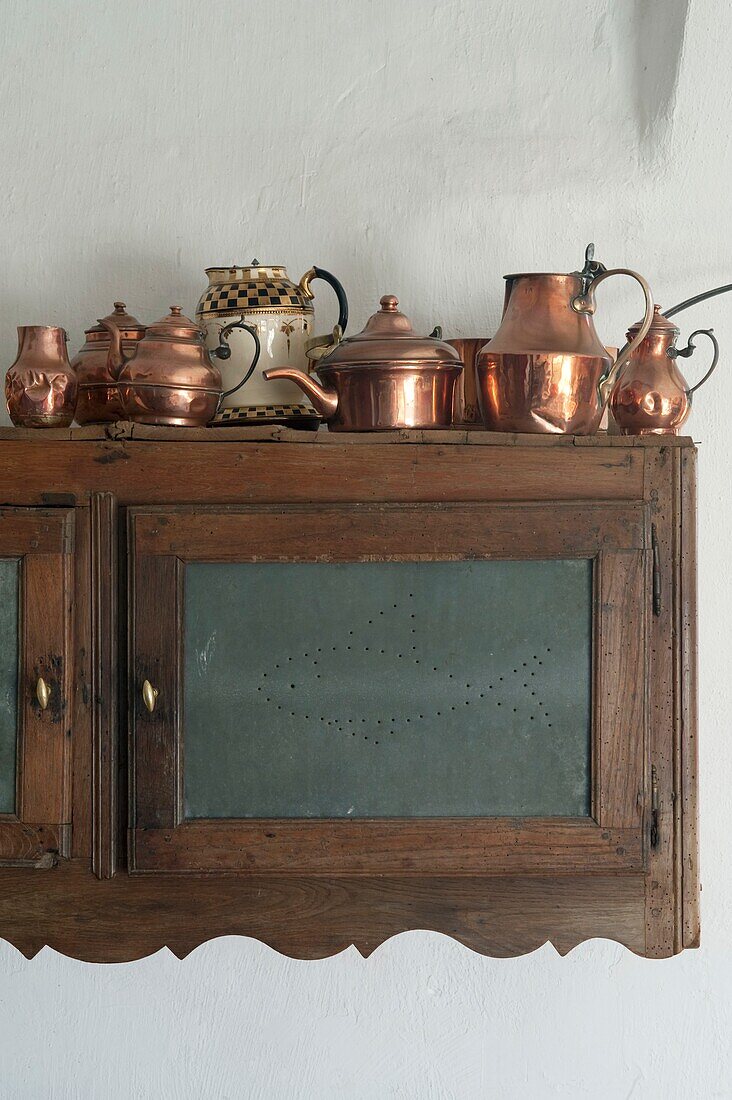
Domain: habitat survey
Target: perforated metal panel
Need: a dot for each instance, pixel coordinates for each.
(385, 689)
(9, 571)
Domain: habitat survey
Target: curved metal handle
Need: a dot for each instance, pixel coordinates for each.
(321, 273)
(223, 351)
(43, 693)
(585, 303)
(149, 695)
(688, 351)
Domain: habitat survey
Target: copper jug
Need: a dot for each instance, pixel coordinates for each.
(546, 370)
(170, 377)
(41, 385)
(99, 400)
(651, 396)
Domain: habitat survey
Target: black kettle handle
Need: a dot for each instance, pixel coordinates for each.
(321, 273)
(223, 351)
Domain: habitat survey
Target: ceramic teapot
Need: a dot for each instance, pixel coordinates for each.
(171, 377)
(281, 311)
(545, 370)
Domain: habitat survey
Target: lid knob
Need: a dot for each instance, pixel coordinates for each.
(119, 307)
(389, 303)
(175, 311)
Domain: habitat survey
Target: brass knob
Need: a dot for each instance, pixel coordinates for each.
(43, 693)
(149, 695)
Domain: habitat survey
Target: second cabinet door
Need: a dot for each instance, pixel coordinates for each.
(388, 689)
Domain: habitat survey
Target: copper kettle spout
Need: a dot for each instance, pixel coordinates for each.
(116, 356)
(325, 401)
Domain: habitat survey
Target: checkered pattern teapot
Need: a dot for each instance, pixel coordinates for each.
(282, 312)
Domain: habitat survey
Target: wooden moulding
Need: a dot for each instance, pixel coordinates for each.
(503, 893)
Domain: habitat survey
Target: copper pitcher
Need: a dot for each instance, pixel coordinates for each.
(170, 377)
(651, 396)
(546, 370)
(41, 385)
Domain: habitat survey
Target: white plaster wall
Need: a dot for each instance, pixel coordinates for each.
(420, 148)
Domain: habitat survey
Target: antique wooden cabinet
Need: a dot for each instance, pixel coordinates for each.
(323, 689)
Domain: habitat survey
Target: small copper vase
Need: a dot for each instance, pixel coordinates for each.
(41, 386)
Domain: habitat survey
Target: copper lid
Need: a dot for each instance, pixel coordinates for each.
(175, 326)
(130, 326)
(660, 325)
(388, 337)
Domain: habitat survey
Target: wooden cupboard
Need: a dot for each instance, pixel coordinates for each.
(321, 689)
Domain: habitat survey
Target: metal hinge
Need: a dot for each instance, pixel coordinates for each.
(656, 571)
(655, 833)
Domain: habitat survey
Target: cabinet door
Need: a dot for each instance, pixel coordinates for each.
(363, 689)
(35, 712)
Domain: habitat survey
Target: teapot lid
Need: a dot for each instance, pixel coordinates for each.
(388, 336)
(175, 326)
(659, 326)
(130, 326)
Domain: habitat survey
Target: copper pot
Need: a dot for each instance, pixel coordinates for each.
(170, 377)
(651, 396)
(41, 385)
(546, 370)
(99, 400)
(383, 378)
(465, 409)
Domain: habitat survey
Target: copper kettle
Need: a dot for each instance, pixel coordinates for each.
(545, 370)
(385, 377)
(651, 396)
(170, 377)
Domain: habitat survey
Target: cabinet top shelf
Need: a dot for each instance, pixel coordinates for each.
(277, 433)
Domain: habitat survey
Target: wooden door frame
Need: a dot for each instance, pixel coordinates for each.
(39, 831)
(161, 540)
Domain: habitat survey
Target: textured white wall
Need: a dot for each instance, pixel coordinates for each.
(424, 149)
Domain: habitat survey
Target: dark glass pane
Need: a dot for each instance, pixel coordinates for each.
(388, 689)
(8, 682)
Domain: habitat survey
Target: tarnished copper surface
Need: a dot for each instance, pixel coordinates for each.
(651, 396)
(99, 400)
(546, 370)
(383, 378)
(41, 385)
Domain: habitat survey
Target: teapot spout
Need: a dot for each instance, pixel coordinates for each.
(116, 357)
(325, 402)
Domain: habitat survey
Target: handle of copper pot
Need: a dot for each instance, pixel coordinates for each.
(223, 351)
(321, 273)
(585, 303)
(688, 351)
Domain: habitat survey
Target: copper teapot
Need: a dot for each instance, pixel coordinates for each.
(99, 400)
(651, 396)
(170, 377)
(545, 370)
(385, 377)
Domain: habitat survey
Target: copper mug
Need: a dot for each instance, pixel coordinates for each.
(41, 386)
(545, 370)
(651, 396)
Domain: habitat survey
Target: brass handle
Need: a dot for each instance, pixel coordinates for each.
(585, 303)
(149, 695)
(43, 693)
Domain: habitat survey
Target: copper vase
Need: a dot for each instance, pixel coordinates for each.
(41, 386)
